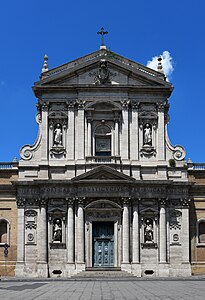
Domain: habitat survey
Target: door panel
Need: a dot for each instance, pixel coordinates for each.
(103, 244)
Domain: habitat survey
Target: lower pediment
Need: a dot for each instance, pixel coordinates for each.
(103, 173)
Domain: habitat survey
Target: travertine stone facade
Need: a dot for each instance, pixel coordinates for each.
(196, 174)
(102, 186)
(8, 218)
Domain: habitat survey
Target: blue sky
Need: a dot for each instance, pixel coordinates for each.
(65, 30)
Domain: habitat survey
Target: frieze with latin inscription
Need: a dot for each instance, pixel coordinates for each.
(97, 190)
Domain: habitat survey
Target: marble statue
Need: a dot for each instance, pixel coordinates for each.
(148, 231)
(147, 135)
(58, 135)
(57, 231)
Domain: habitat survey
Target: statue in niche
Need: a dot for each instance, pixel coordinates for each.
(58, 135)
(57, 231)
(147, 135)
(148, 231)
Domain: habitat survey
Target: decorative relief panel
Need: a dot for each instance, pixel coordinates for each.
(30, 226)
(175, 219)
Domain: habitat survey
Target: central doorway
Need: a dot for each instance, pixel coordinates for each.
(103, 244)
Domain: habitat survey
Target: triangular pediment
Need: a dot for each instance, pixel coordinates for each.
(103, 173)
(85, 71)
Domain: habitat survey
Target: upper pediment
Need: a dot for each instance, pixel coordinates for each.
(102, 68)
(103, 173)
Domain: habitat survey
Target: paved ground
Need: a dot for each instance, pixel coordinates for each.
(103, 289)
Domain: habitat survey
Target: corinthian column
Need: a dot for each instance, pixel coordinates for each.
(42, 233)
(135, 233)
(80, 232)
(70, 238)
(162, 232)
(125, 231)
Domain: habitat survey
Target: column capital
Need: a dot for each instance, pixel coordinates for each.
(163, 202)
(125, 104)
(71, 104)
(81, 201)
(21, 202)
(135, 105)
(185, 202)
(70, 201)
(44, 107)
(126, 200)
(161, 106)
(81, 104)
(43, 201)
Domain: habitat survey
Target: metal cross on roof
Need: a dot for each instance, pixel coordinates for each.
(102, 32)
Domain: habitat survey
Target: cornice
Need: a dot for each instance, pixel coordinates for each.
(155, 90)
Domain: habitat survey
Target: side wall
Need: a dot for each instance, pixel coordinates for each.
(8, 215)
(197, 215)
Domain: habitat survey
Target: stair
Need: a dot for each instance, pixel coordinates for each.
(100, 274)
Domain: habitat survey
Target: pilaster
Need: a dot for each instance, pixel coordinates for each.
(185, 229)
(136, 267)
(162, 232)
(80, 132)
(161, 133)
(20, 238)
(71, 132)
(124, 145)
(44, 132)
(89, 151)
(116, 136)
(134, 144)
(42, 243)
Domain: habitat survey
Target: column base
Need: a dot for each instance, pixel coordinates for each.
(180, 270)
(126, 267)
(70, 269)
(31, 270)
(80, 267)
(19, 270)
(163, 270)
(42, 270)
(136, 269)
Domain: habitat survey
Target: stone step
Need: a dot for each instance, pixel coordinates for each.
(97, 273)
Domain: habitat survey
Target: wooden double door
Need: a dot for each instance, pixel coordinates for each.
(103, 244)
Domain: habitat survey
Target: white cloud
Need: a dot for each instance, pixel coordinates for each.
(167, 63)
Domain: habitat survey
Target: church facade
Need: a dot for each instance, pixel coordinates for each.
(102, 186)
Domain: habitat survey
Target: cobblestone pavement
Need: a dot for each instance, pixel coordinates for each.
(103, 289)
